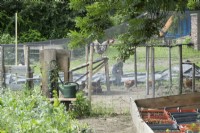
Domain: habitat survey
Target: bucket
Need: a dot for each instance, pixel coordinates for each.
(69, 89)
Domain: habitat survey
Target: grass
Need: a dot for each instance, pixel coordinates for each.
(161, 58)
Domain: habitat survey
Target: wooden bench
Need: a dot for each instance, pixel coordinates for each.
(62, 99)
(65, 101)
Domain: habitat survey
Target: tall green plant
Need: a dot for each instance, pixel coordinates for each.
(25, 111)
(81, 107)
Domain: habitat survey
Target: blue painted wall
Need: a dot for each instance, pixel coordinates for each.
(180, 28)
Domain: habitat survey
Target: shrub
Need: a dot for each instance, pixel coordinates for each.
(81, 107)
(29, 111)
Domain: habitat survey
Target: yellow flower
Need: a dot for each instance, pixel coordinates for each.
(167, 130)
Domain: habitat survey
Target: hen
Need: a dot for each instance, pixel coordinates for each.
(187, 83)
(128, 84)
(101, 48)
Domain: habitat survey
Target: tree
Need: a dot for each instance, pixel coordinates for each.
(143, 20)
(50, 19)
(193, 4)
(31, 36)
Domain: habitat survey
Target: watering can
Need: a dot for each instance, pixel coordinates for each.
(69, 89)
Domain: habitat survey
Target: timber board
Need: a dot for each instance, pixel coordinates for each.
(63, 99)
(191, 100)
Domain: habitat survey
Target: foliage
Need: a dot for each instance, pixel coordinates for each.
(6, 39)
(193, 4)
(100, 15)
(51, 19)
(100, 109)
(81, 107)
(28, 111)
(31, 36)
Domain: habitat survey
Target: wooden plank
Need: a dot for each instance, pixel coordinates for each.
(63, 99)
(80, 67)
(139, 124)
(166, 26)
(182, 100)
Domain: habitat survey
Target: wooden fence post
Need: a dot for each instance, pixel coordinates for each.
(193, 77)
(46, 56)
(147, 70)
(170, 66)
(86, 58)
(180, 70)
(135, 66)
(107, 74)
(29, 73)
(2, 76)
(153, 71)
(90, 72)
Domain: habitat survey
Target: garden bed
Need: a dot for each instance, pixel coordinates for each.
(166, 114)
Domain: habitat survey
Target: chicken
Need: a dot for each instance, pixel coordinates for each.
(95, 88)
(101, 48)
(82, 85)
(128, 84)
(150, 83)
(187, 83)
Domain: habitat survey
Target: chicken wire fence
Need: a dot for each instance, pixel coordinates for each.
(161, 63)
(78, 57)
(35, 47)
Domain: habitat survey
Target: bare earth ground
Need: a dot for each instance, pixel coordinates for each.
(119, 100)
(121, 122)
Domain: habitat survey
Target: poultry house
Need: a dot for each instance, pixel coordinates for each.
(128, 84)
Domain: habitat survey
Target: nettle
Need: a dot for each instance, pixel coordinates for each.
(29, 111)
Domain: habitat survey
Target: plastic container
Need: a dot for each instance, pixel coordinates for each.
(180, 110)
(158, 121)
(167, 131)
(189, 119)
(154, 114)
(163, 126)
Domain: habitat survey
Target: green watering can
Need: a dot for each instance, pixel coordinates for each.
(69, 89)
